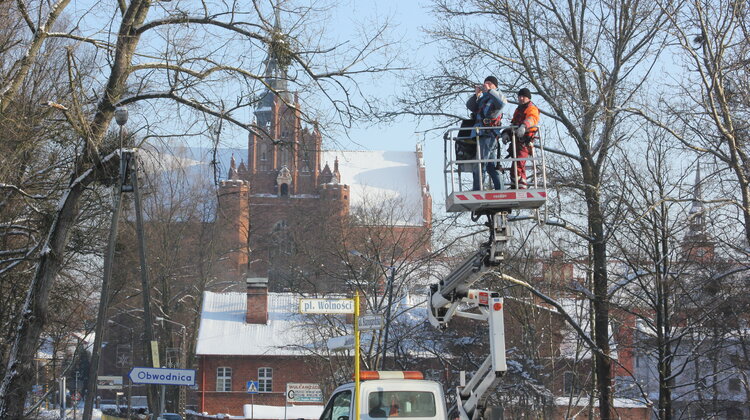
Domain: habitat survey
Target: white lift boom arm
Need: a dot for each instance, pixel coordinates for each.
(453, 297)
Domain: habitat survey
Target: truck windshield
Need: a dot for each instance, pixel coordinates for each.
(387, 404)
(339, 406)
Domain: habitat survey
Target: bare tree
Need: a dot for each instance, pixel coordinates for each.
(650, 289)
(177, 57)
(585, 61)
(707, 111)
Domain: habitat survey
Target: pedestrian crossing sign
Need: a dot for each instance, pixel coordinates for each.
(252, 387)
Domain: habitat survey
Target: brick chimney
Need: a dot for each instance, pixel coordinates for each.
(257, 300)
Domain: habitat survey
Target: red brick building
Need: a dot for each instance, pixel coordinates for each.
(282, 210)
(253, 336)
(288, 184)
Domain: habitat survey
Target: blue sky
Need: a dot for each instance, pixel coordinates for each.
(346, 18)
(408, 18)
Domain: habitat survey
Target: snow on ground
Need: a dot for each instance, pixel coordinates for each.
(55, 414)
(274, 412)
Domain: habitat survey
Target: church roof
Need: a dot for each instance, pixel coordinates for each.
(375, 177)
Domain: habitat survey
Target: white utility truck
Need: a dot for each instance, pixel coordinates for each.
(453, 296)
(388, 394)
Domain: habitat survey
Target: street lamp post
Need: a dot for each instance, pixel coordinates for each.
(121, 117)
(389, 290)
(183, 362)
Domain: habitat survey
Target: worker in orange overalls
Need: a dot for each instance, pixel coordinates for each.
(525, 118)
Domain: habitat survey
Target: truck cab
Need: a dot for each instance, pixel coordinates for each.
(385, 395)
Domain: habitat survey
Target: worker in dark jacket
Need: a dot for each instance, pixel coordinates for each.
(525, 119)
(487, 105)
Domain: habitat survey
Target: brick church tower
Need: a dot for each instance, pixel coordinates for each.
(291, 193)
(283, 170)
(233, 219)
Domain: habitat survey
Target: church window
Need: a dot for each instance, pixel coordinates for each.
(306, 162)
(284, 154)
(283, 242)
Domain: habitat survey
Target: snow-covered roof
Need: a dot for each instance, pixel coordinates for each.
(223, 330)
(377, 176)
(373, 177)
(583, 401)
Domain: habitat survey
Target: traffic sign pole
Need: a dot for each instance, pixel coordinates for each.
(356, 354)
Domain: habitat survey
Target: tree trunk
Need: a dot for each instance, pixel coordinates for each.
(603, 364)
(18, 376)
(20, 371)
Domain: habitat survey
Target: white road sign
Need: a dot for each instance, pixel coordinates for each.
(326, 306)
(109, 382)
(370, 322)
(162, 376)
(303, 393)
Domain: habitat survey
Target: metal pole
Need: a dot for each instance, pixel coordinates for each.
(130, 383)
(62, 398)
(88, 406)
(183, 365)
(388, 315)
(145, 286)
(163, 397)
(75, 403)
(356, 355)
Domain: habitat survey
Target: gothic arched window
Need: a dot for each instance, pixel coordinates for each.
(283, 242)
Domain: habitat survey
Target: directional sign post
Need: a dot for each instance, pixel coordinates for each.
(339, 306)
(326, 306)
(370, 322)
(162, 376)
(109, 382)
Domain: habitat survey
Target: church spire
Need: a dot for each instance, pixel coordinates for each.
(232, 169)
(274, 75)
(276, 61)
(696, 246)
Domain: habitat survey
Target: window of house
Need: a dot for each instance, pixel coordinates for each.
(223, 379)
(265, 379)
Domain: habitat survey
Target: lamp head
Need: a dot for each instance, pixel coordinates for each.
(121, 115)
